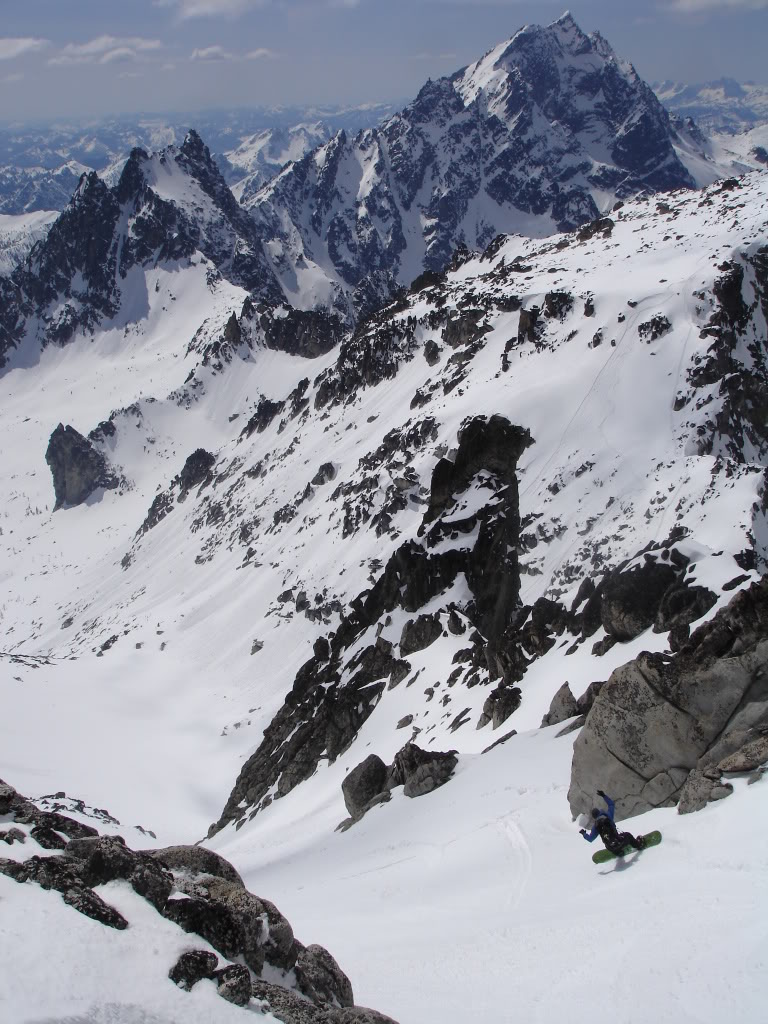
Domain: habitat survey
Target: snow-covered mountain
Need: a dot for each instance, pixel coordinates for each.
(531, 468)
(90, 270)
(260, 157)
(40, 165)
(38, 189)
(720, 106)
(543, 133)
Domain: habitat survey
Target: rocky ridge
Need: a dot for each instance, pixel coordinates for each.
(200, 892)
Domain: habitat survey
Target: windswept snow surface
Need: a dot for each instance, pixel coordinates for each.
(476, 902)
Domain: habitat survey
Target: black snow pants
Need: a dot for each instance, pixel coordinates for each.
(621, 841)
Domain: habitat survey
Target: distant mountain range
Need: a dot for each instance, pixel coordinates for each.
(720, 106)
(40, 166)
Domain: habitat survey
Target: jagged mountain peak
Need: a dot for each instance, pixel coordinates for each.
(540, 135)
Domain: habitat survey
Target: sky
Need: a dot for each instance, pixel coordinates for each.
(101, 57)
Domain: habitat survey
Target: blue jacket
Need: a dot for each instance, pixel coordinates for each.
(592, 836)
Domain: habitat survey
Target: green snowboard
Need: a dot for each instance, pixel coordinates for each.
(652, 839)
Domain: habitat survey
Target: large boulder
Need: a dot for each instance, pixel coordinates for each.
(321, 979)
(193, 966)
(420, 771)
(420, 633)
(196, 861)
(658, 718)
(77, 466)
(363, 783)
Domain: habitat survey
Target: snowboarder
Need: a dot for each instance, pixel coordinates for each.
(605, 827)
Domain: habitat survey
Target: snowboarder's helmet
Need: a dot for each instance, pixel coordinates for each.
(596, 813)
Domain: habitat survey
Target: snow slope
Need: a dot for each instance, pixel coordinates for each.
(18, 234)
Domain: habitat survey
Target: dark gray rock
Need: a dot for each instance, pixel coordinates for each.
(263, 932)
(748, 758)
(90, 904)
(321, 979)
(500, 703)
(48, 838)
(288, 1006)
(61, 874)
(192, 967)
(631, 599)
(697, 791)
(7, 795)
(420, 633)
(333, 696)
(102, 859)
(363, 783)
(13, 835)
(681, 605)
(233, 983)
(500, 740)
(430, 776)
(587, 699)
(324, 475)
(420, 771)
(77, 466)
(216, 923)
(196, 471)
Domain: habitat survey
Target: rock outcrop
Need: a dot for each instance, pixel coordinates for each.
(333, 695)
(77, 466)
(417, 771)
(202, 893)
(664, 728)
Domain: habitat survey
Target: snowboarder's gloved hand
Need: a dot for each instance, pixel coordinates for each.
(582, 831)
(600, 793)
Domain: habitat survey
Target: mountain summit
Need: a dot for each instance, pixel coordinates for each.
(543, 133)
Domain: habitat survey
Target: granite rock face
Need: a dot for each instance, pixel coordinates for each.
(665, 728)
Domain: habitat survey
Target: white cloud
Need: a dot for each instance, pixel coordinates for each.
(105, 50)
(211, 53)
(261, 53)
(118, 54)
(10, 48)
(10, 79)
